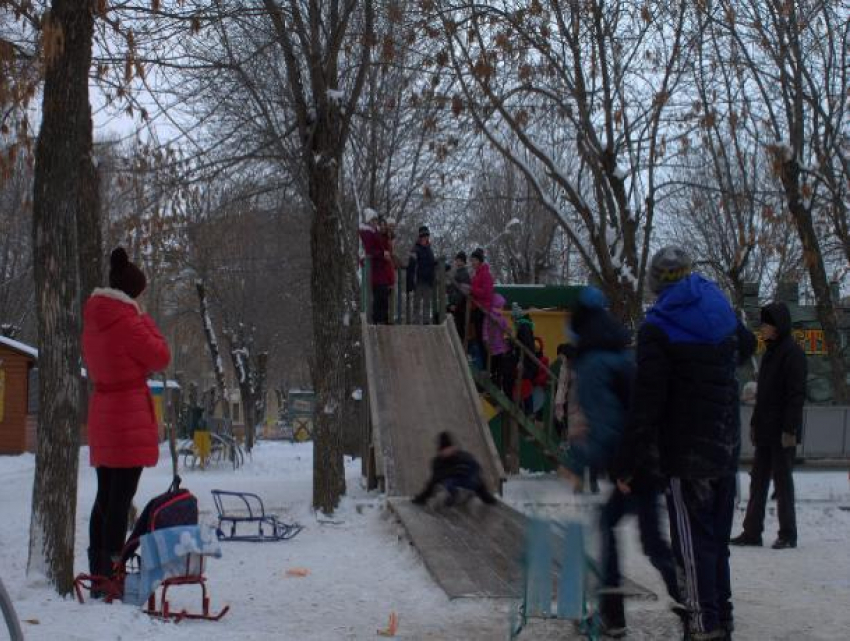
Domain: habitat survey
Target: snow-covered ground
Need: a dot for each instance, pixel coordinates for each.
(361, 568)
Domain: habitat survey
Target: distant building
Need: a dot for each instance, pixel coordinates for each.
(19, 398)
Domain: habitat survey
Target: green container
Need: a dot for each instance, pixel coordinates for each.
(540, 296)
(531, 457)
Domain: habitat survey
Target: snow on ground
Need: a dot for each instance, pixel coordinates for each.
(362, 568)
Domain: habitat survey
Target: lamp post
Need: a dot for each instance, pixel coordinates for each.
(512, 223)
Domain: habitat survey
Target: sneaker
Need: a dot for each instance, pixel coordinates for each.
(783, 544)
(745, 539)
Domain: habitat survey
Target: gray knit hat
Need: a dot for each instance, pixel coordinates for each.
(668, 266)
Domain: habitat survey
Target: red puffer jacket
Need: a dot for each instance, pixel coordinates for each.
(121, 347)
(482, 286)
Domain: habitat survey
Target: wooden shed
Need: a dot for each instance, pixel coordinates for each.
(17, 407)
(19, 398)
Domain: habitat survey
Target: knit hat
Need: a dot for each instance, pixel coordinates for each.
(461, 256)
(590, 301)
(444, 440)
(424, 231)
(478, 254)
(668, 266)
(592, 298)
(124, 275)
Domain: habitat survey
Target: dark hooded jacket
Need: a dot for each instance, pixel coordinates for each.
(685, 419)
(422, 266)
(459, 466)
(781, 384)
(604, 374)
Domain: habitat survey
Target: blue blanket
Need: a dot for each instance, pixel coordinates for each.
(165, 553)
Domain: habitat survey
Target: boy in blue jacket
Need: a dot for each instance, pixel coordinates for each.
(604, 376)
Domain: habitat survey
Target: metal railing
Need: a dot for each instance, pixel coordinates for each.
(402, 313)
(401, 301)
(544, 433)
(826, 433)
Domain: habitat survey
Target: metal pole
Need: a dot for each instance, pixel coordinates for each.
(12, 622)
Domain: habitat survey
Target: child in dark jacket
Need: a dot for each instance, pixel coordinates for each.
(454, 469)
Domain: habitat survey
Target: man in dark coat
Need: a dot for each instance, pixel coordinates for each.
(454, 469)
(775, 428)
(421, 271)
(685, 423)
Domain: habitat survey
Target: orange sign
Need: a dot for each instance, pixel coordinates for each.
(811, 340)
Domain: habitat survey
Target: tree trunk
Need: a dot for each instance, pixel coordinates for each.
(260, 388)
(215, 352)
(89, 233)
(813, 258)
(328, 289)
(241, 360)
(62, 190)
(355, 437)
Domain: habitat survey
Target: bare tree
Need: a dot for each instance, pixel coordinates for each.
(62, 190)
(16, 286)
(325, 96)
(601, 76)
(789, 58)
(524, 252)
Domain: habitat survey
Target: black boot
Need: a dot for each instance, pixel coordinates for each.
(612, 614)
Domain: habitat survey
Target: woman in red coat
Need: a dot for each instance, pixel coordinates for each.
(121, 347)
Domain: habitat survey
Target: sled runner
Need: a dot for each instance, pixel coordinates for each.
(246, 509)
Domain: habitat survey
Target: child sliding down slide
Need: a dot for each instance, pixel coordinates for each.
(454, 469)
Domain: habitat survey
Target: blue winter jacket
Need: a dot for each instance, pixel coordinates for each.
(604, 371)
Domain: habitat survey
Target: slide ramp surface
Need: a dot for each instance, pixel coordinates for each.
(420, 385)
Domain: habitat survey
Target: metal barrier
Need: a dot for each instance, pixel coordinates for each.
(401, 302)
(826, 432)
(12, 622)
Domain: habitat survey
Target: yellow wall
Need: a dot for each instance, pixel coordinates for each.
(549, 326)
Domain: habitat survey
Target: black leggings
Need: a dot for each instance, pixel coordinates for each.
(380, 304)
(116, 487)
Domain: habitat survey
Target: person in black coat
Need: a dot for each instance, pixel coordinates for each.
(454, 469)
(775, 428)
(421, 273)
(685, 425)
